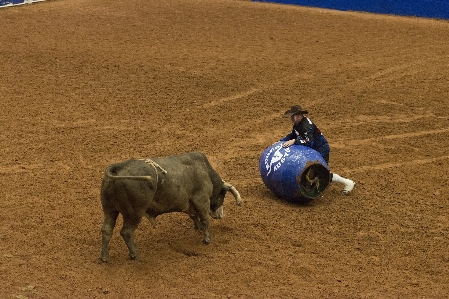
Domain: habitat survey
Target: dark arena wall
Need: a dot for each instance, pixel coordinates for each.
(438, 9)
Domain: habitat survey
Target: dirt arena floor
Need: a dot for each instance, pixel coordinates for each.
(88, 83)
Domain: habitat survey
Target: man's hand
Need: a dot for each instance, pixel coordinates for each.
(288, 143)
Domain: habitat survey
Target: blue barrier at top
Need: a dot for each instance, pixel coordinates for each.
(420, 8)
(5, 3)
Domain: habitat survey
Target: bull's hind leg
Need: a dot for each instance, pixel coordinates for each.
(127, 233)
(106, 233)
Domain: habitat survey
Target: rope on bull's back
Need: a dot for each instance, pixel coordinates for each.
(155, 166)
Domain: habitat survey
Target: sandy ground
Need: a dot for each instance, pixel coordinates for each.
(88, 83)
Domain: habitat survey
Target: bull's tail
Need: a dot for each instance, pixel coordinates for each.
(234, 192)
(109, 173)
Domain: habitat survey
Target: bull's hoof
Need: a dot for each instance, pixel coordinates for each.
(206, 241)
(133, 257)
(104, 259)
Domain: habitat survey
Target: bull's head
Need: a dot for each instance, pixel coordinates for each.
(216, 206)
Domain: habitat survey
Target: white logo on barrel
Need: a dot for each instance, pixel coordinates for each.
(277, 159)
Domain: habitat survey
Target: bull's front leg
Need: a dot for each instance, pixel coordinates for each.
(202, 224)
(196, 222)
(202, 213)
(127, 233)
(106, 233)
(199, 213)
(205, 225)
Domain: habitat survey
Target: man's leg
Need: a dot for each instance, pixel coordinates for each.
(349, 185)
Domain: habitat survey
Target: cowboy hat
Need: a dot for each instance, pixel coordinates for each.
(295, 110)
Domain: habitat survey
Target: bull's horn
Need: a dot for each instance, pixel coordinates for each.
(234, 192)
(118, 177)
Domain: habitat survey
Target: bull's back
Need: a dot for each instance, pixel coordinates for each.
(190, 169)
(177, 180)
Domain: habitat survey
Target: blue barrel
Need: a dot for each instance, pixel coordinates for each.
(296, 173)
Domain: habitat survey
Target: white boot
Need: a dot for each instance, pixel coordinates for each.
(349, 185)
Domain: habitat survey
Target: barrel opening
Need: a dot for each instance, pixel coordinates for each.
(314, 180)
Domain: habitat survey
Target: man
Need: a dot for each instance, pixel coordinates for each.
(305, 132)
